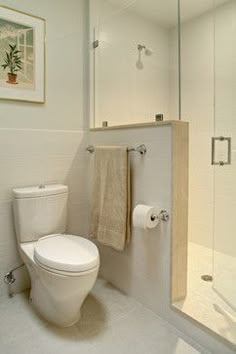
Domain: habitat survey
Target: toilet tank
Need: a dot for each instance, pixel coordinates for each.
(40, 211)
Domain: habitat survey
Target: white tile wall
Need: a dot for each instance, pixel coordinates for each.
(198, 109)
(31, 157)
(139, 270)
(197, 98)
(45, 143)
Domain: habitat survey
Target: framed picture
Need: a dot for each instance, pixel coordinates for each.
(22, 56)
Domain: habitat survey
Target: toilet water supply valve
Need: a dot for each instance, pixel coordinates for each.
(9, 278)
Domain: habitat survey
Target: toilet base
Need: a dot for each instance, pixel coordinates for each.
(76, 320)
(58, 298)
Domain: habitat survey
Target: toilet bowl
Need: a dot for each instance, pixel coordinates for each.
(63, 268)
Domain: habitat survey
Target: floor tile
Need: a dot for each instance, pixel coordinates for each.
(111, 322)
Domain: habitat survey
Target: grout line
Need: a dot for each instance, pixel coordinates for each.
(43, 130)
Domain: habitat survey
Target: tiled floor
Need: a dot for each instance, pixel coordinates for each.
(111, 323)
(200, 295)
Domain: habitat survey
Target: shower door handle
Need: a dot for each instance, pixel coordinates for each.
(213, 148)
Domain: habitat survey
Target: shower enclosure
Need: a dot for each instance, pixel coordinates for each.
(177, 59)
(208, 96)
(224, 154)
(134, 60)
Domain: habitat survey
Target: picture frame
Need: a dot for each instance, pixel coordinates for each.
(22, 56)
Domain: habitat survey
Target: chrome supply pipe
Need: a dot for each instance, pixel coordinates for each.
(9, 278)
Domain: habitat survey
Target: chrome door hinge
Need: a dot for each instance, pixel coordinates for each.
(95, 44)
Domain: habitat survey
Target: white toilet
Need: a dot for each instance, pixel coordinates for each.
(63, 268)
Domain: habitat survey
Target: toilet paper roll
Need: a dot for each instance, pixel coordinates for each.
(142, 216)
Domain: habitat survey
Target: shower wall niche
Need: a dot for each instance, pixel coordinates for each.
(134, 61)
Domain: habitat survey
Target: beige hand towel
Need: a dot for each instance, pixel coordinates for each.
(110, 221)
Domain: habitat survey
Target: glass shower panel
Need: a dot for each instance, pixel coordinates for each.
(112, 60)
(224, 260)
(135, 65)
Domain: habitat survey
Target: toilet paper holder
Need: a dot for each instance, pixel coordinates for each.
(163, 215)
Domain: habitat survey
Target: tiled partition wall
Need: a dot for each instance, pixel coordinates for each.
(144, 269)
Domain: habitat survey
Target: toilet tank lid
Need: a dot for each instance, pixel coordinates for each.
(39, 191)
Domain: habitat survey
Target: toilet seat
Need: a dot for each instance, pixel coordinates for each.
(66, 253)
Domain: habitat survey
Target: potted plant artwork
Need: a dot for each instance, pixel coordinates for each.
(13, 62)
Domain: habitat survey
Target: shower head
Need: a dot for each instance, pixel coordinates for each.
(140, 47)
(147, 51)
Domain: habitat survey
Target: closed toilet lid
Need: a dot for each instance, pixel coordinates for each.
(67, 253)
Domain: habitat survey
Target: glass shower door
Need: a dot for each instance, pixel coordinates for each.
(224, 155)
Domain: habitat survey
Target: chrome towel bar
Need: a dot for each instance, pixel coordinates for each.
(141, 149)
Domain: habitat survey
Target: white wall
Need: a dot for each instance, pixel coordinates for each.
(197, 81)
(45, 143)
(124, 94)
(142, 269)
